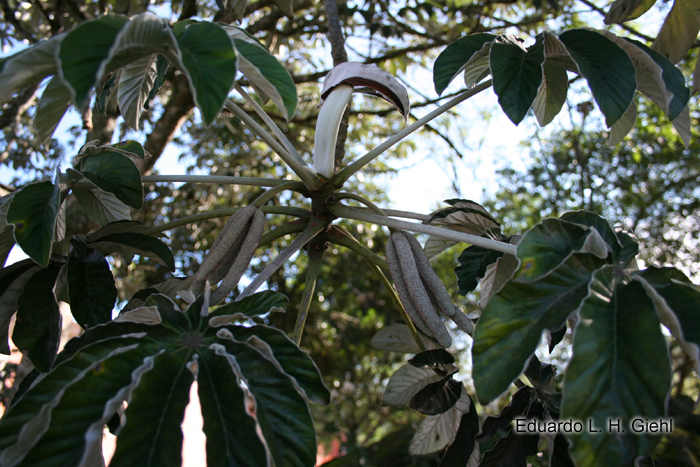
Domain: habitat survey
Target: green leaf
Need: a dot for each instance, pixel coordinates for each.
(517, 407)
(46, 393)
(281, 411)
(679, 31)
(37, 330)
(253, 305)
(622, 246)
(228, 426)
(116, 174)
(551, 95)
(617, 336)
(677, 301)
(398, 338)
(130, 147)
(511, 326)
(132, 243)
(106, 101)
(156, 437)
(293, 361)
(623, 126)
(91, 288)
(627, 10)
(27, 67)
(496, 276)
(34, 211)
(12, 282)
(83, 52)
(209, 61)
(438, 397)
(52, 106)
(456, 57)
(264, 72)
(606, 67)
(162, 65)
(7, 238)
(101, 206)
(517, 76)
(548, 244)
(473, 263)
(79, 417)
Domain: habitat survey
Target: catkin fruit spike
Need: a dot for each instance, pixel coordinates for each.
(430, 279)
(222, 245)
(462, 322)
(417, 291)
(242, 260)
(395, 270)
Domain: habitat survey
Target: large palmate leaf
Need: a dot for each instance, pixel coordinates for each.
(264, 72)
(456, 57)
(620, 371)
(209, 61)
(607, 69)
(34, 211)
(114, 173)
(83, 51)
(149, 358)
(622, 247)
(53, 104)
(517, 76)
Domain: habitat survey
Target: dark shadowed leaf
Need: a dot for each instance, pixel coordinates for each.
(463, 447)
(209, 61)
(517, 76)
(116, 174)
(453, 59)
(158, 440)
(473, 263)
(517, 408)
(38, 325)
(432, 358)
(83, 51)
(437, 397)
(12, 281)
(91, 288)
(254, 305)
(606, 67)
(406, 382)
(559, 453)
(295, 362)
(228, 424)
(53, 104)
(617, 335)
(33, 211)
(128, 244)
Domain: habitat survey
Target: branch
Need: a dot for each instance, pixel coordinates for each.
(218, 179)
(313, 269)
(597, 9)
(364, 216)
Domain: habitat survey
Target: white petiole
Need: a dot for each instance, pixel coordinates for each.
(327, 127)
